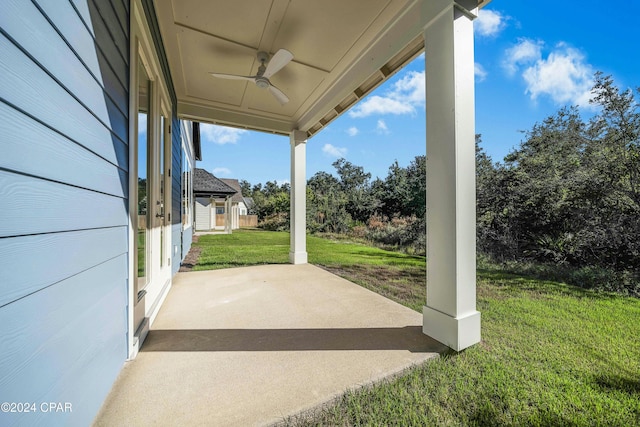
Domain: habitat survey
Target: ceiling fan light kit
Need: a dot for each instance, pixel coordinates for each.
(277, 62)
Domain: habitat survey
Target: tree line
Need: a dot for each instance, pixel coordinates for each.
(567, 196)
(390, 211)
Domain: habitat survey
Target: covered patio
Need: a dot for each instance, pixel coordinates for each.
(329, 55)
(253, 345)
(98, 91)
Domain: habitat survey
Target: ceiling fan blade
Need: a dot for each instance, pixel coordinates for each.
(279, 60)
(279, 95)
(233, 77)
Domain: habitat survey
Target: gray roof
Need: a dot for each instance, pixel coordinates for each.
(205, 184)
(248, 201)
(235, 184)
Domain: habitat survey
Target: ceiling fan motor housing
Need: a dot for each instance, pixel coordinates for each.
(263, 57)
(262, 82)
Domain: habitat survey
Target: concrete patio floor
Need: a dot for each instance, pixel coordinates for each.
(250, 346)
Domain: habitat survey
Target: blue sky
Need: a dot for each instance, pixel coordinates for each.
(532, 58)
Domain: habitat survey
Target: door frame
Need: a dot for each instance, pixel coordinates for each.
(141, 311)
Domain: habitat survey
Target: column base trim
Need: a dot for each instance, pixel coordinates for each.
(456, 333)
(298, 257)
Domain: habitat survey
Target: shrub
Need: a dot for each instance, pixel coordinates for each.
(586, 277)
(275, 222)
(406, 233)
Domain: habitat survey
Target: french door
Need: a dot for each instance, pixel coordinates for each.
(152, 150)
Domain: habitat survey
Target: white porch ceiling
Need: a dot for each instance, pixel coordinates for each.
(343, 49)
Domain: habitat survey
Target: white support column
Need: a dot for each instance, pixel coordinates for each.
(227, 212)
(450, 315)
(298, 217)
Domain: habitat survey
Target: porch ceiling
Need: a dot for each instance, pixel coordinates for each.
(342, 51)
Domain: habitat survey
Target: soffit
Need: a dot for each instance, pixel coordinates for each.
(342, 50)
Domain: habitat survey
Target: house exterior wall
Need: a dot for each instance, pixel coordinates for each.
(176, 253)
(188, 162)
(64, 117)
(176, 192)
(242, 209)
(203, 214)
(187, 240)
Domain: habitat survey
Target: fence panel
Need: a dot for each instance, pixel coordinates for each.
(248, 220)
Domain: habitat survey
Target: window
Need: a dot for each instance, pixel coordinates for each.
(220, 210)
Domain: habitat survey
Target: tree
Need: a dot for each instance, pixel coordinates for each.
(327, 206)
(394, 192)
(403, 192)
(245, 187)
(355, 184)
(615, 162)
(417, 181)
(271, 204)
(570, 192)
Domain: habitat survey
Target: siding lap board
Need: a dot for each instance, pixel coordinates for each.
(52, 156)
(74, 251)
(77, 32)
(39, 206)
(28, 87)
(51, 357)
(54, 55)
(115, 30)
(64, 190)
(64, 16)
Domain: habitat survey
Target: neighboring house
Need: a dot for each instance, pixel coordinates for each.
(250, 204)
(96, 167)
(238, 205)
(213, 202)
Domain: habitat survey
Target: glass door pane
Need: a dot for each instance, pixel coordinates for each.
(144, 136)
(161, 199)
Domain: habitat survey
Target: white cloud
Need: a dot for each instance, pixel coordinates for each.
(282, 181)
(480, 72)
(221, 171)
(380, 105)
(334, 151)
(142, 124)
(411, 87)
(564, 76)
(221, 134)
(381, 127)
(353, 131)
(489, 23)
(404, 97)
(526, 51)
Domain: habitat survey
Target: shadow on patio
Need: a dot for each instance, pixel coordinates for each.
(405, 338)
(249, 346)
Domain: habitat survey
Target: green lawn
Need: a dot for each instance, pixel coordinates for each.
(251, 247)
(243, 247)
(551, 354)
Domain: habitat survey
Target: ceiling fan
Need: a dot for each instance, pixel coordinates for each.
(277, 62)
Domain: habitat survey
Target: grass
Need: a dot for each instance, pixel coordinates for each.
(551, 354)
(142, 252)
(242, 248)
